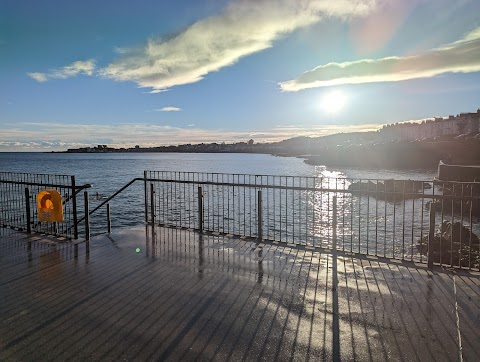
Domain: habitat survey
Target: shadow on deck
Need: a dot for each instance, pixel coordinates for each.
(173, 294)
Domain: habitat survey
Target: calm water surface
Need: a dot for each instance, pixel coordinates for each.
(109, 172)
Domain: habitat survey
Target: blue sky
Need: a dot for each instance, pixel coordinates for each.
(81, 73)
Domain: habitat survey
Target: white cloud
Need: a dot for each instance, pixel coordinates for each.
(85, 67)
(462, 56)
(243, 28)
(57, 136)
(324, 130)
(79, 67)
(168, 109)
(120, 50)
(39, 77)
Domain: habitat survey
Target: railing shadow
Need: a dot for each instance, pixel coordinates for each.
(206, 296)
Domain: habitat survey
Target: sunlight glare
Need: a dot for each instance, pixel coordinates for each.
(333, 101)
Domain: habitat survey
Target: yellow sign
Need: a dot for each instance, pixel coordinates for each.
(49, 203)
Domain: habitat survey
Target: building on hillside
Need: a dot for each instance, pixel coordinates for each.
(431, 128)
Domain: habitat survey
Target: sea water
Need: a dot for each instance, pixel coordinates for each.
(108, 172)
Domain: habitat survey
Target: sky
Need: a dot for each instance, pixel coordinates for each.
(151, 73)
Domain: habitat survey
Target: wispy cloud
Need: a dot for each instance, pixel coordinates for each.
(168, 109)
(323, 130)
(37, 145)
(57, 136)
(39, 77)
(85, 67)
(120, 50)
(243, 28)
(462, 56)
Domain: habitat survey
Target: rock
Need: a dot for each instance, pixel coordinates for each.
(453, 245)
(390, 190)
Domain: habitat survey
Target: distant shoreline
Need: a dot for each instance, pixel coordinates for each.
(371, 155)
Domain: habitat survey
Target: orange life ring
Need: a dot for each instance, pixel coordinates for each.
(46, 202)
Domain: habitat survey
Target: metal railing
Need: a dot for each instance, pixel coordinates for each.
(18, 203)
(421, 221)
(399, 219)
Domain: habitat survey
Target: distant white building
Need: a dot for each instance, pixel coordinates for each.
(431, 128)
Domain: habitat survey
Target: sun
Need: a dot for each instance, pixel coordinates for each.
(334, 101)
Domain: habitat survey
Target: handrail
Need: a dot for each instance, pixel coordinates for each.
(28, 183)
(86, 186)
(315, 189)
(291, 227)
(281, 187)
(111, 197)
(46, 184)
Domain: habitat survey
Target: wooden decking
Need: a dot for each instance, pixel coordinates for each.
(178, 295)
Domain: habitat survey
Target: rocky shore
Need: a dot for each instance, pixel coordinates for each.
(453, 244)
(400, 155)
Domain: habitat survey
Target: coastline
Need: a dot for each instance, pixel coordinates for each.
(391, 155)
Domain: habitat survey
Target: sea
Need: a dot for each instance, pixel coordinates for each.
(108, 172)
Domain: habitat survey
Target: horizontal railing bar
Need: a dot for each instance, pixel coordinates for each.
(442, 182)
(4, 175)
(298, 188)
(30, 174)
(315, 189)
(435, 180)
(45, 184)
(283, 176)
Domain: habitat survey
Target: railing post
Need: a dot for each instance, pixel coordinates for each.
(334, 223)
(109, 220)
(259, 216)
(27, 210)
(87, 220)
(200, 209)
(431, 235)
(146, 195)
(74, 207)
(152, 203)
(335, 309)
